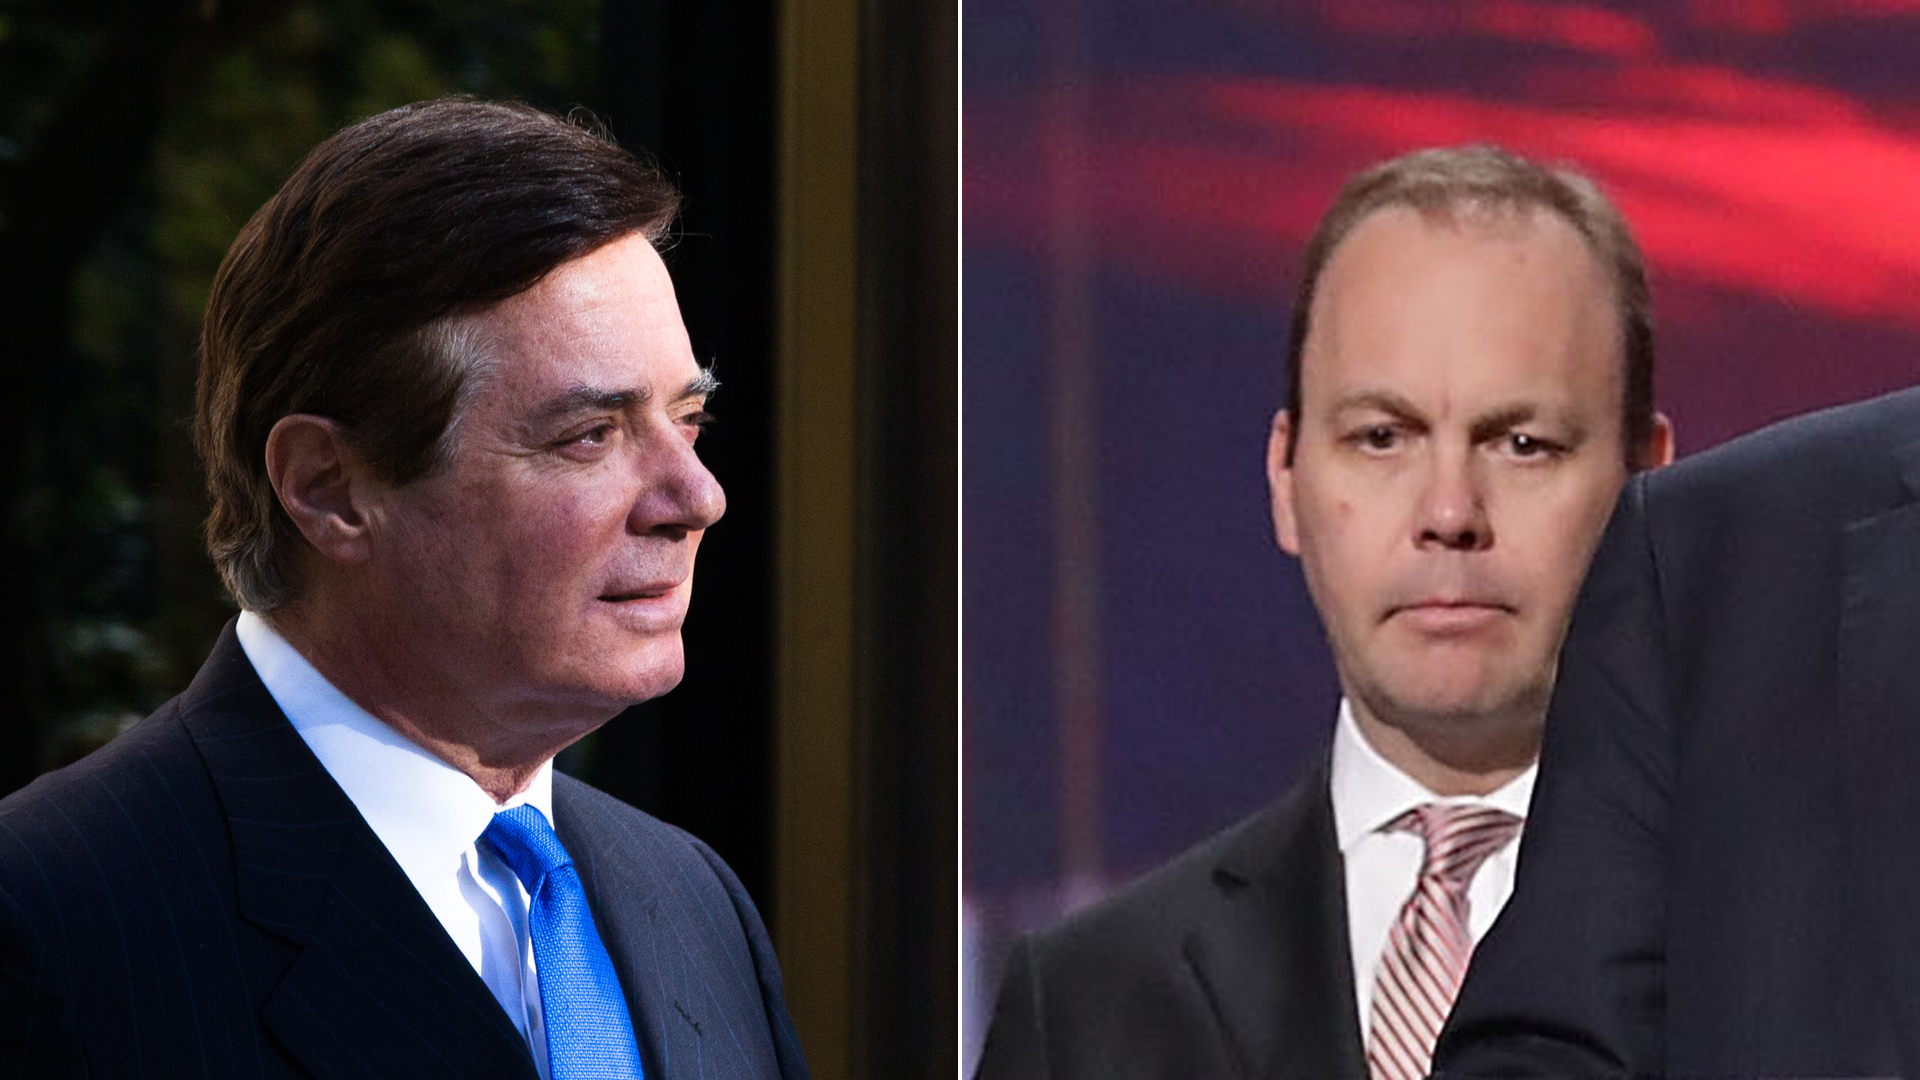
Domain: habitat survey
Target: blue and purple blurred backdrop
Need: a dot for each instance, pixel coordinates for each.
(1141, 664)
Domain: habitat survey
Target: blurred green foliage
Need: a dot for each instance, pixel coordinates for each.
(123, 597)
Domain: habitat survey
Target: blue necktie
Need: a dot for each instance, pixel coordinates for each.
(589, 1035)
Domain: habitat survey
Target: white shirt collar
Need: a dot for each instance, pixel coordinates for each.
(426, 812)
(1369, 791)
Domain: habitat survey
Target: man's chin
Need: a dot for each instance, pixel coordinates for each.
(612, 672)
(1456, 696)
(648, 672)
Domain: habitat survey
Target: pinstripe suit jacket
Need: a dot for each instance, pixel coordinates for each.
(200, 898)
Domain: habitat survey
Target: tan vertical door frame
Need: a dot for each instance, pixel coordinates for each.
(815, 668)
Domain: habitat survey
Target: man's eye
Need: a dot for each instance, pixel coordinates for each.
(1378, 437)
(698, 421)
(589, 442)
(1522, 445)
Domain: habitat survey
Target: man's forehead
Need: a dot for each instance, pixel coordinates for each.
(1463, 316)
(619, 286)
(1435, 388)
(1396, 240)
(1395, 248)
(604, 324)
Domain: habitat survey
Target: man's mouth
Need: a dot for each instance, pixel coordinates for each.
(624, 594)
(647, 608)
(1450, 615)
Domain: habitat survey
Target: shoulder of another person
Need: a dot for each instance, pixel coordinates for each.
(1834, 462)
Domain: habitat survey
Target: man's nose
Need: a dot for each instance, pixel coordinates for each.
(1452, 510)
(677, 493)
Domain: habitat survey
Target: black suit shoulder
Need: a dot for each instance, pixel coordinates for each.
(117, 889)
(1144, 922)
(1832, 465)
(84, 832)
(1740, 549)
(1230, 960)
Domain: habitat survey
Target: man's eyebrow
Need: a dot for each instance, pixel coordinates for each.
(1384, 400)
(586, 399)
(1505, 417)
(1485, 425)
(582, 399)
(703, 385)
(1500, 421)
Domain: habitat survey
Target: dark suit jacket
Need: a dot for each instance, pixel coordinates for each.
(200, 899)
(1721, 873)
(1230, 961)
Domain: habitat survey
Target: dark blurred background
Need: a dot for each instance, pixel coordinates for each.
(812, 740)
(1142, 664)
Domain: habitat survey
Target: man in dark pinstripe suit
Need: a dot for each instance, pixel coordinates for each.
(448, 412)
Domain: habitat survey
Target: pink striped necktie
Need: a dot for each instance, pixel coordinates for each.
(1427, 949)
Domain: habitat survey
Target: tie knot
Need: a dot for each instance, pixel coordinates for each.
(1459, 837)
(527, 843)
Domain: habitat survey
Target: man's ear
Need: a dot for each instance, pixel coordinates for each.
(321, 485)
(1659, 442)
(1280, 482)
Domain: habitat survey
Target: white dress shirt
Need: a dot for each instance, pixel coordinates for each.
(428, 814)
(1369, 792)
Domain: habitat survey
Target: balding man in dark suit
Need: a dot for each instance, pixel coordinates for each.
(1472, 384)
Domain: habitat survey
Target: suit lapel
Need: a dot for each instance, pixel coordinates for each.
(1879, 697)
(625, 897)
(684, 967)
(1273, 956)
(377, 987)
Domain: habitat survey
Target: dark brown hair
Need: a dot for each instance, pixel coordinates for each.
(340, 297)
(1488, 178)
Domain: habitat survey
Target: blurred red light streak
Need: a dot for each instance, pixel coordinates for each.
(1216, 182)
